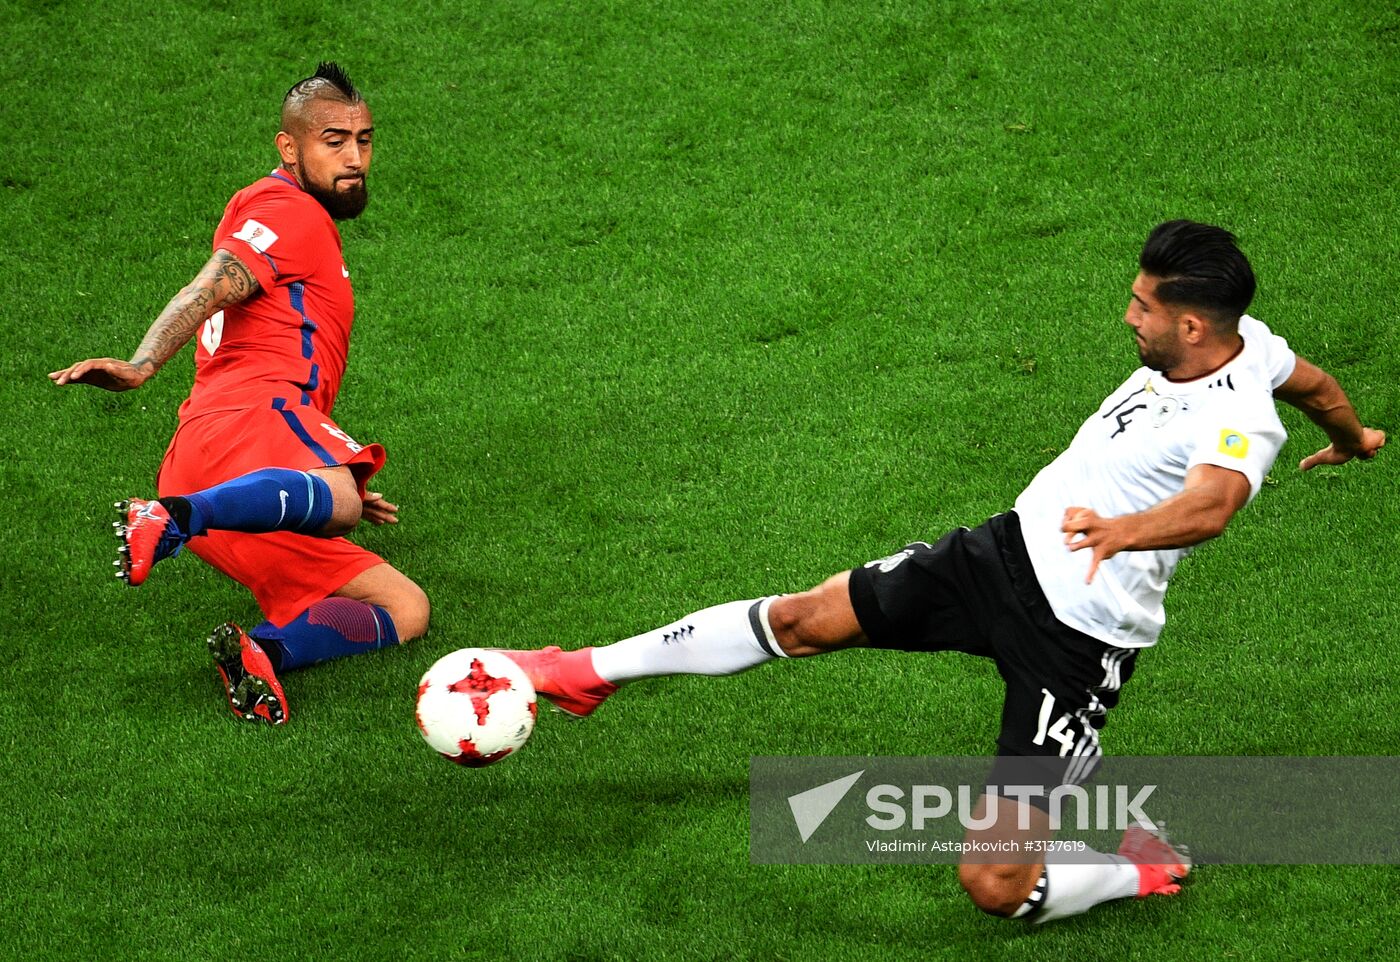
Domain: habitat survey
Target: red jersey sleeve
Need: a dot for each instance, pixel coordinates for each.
(273, 235)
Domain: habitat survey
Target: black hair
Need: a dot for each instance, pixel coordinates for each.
(330, 79)
(1200, 266)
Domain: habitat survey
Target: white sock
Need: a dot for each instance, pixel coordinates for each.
(722, 640)
(1065, 890)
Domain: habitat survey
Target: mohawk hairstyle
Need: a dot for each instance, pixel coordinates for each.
(1200, 266)
(329, 80)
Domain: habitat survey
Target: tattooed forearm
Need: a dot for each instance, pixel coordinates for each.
(175, 325)
(223, 281)
(237, 281)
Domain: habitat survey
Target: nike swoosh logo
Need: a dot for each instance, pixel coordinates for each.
(344, 271)
(284, 506)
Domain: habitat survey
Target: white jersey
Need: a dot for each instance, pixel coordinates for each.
(1133, 453)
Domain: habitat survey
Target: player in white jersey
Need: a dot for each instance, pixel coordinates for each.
(1063, 591)
(1136, 452)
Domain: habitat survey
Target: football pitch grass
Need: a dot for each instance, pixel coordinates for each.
(662, 305)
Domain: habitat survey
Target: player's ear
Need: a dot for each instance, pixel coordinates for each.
(1195, 327)
(286, 147)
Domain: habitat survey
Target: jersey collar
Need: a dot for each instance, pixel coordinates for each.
(281, 174)
(1211, 373)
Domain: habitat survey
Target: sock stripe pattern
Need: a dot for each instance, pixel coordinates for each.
(762, 630)
(1036, 900)
(310, 504)
(356, 621)
(331, 628)
(757, 627)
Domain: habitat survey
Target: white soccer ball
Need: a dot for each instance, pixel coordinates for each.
(475, 707)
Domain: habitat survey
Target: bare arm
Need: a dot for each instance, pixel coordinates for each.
(1317, 394)
(1200, 512)
(224, 280)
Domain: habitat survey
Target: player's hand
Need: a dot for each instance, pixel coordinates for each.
(1372, 441)
(107, 373)
(1093, 531)
(378, 511)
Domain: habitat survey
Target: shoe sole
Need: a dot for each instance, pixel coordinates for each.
(253, 693)
(225, 645)
(119, 528)
(250, 692)
(560, 709)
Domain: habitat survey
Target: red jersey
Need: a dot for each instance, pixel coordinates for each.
(291, 339)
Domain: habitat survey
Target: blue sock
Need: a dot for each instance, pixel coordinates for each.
(272, 499)
(331, 628)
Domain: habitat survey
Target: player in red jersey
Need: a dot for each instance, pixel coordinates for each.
(258, 480)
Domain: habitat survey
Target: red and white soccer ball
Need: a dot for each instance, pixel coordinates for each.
(475, 707)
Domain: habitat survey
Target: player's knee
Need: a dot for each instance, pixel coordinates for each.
(995, 889)
(345, 515)
(346, 503)
(410, 610)
(815, 621)
(791, 618)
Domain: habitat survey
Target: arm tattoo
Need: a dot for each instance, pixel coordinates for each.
(224, 280)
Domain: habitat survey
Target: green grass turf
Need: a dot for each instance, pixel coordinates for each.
(662, 305)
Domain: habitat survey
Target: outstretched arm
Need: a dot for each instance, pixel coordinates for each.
(1201, 511)
(1317, 394)
(224, 280)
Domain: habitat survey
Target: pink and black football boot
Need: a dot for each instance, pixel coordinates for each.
(254, 693)
(147, 534)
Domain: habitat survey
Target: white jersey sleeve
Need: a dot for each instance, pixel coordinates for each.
(1243, 437)
(1269, 353)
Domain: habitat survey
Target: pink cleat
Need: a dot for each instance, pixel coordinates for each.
(1160, 864)
(147, 534)
(254, 693)
(566, 678)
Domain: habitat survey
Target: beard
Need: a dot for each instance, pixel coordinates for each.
(1159, 357)
(344, 204)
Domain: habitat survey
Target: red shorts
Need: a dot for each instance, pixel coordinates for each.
(286, 571)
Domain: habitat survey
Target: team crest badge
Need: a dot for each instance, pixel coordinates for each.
(1164, 410)
(257, 236)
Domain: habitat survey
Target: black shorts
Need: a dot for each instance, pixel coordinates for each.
(976, 592)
